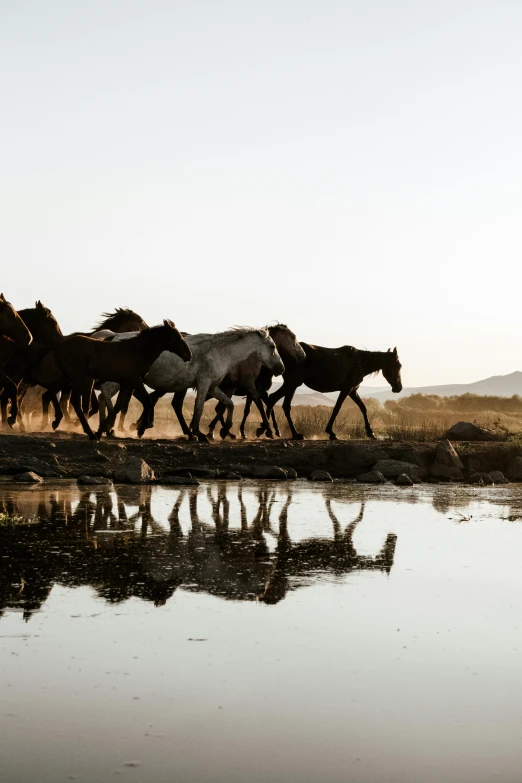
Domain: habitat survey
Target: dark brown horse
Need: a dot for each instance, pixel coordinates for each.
(84, 360)
(46, 333)
(123, 319)
(252, 380)
(13, 333)
(335, 369)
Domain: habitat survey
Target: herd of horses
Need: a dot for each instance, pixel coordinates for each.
(123, 356)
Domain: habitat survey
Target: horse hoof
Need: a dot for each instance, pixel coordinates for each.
(259, 431)
(298, 436)
(333, 436)
(371, 436)
(202, 438)
(231, 436)
(270, 434)
(210, 435)
(11, 420)
(55, 424)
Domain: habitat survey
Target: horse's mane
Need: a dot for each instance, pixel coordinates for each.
(228, 336)
(121, 314)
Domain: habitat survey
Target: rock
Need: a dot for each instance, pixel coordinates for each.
(29, 477)
(49, 469)
(393, 468)
(347, 460)
(372, 477)
(514, 469)
(466, 430)
(98, 480)
(447, 465)
(268, 472)
(320, 475)
(290, 473)
(134, 470)
(404, 480)
(182, 481)
(498, 477)
(484, 479)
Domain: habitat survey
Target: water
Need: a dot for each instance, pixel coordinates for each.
(260, 632)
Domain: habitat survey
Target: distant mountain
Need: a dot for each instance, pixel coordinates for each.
(497, 386)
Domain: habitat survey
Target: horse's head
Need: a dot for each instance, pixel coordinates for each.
(392, 370)
(11, 325)
(267, 353)
(174, 341)
(45, 326)
(286, 342)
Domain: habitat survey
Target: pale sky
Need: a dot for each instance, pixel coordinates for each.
(353, 169)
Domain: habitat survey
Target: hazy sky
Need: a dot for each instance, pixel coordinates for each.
(353, 169)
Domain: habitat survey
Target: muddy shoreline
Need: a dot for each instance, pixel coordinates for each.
(70, 456)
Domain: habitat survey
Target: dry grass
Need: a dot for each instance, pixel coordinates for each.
(415, 418)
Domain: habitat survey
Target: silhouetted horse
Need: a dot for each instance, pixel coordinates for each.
(335, 369)
(13, 333)
(123, 319)
(46, 333)
(84, 360)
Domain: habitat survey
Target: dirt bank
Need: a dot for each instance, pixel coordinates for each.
(70, 455)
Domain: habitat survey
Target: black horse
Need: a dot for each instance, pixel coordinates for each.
(335, 369)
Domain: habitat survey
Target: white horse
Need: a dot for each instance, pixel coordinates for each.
(213, 356)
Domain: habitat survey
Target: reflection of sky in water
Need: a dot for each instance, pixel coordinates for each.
(350, 675)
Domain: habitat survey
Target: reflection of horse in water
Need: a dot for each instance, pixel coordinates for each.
(122, 555)
(295, 562)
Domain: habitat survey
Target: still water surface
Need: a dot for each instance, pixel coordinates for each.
(261, 632)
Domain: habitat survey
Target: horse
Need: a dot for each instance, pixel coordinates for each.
(213, 356)
(13, 333)
(252, 380)
(83, 360)
(123, 319)
(335, 369)
(46, 333)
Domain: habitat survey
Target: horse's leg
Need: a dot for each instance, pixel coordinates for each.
(265, 422)
(220, 409)
(337, 407)
(123, 400)
(22, 391)
(11, 392)
(272, 399)
(78, 390)
(65, 396)
(141, 423)
(227, 402)
(264, 397)
(141, 394)
(58, 415)
(246, 413)
(354, 395)
(177, 404)
(201, 397)
(287, 392)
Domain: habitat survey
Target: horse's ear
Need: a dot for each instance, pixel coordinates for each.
(2, 298)
(389, 350)
(39, 305)
(395, 351)
(167, 322)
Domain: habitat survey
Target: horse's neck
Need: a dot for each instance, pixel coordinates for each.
(28, 317)
(371, 361)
